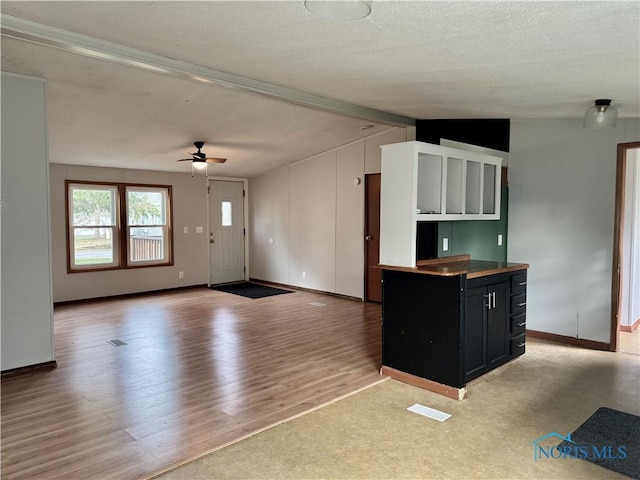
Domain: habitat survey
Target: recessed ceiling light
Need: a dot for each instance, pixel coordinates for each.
(366, 127)
(338, 9)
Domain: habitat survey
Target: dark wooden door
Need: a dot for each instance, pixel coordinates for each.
(497, 326)
(475, 333)
(372, 275)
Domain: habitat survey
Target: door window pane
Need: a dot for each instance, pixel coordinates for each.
(226, 214)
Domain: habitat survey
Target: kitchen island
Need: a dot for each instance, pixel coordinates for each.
(450, 320)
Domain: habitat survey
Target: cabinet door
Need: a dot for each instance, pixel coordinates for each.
(475, 333)
(497, 325)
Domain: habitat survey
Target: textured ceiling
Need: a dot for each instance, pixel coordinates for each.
(418, 59)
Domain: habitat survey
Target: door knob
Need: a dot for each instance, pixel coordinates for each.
(368, 238)
(211, 240)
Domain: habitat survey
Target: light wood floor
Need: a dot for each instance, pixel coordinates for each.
(200, 368)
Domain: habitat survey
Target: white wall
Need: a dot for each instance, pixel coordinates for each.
(26, 311)
(350, 220)
(372, 156)
(561, 207)
(630, 261)
(309, 217)
(190, 250)
(312, 233)
(269, 226)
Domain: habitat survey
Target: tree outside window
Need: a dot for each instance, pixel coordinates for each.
(118, 226)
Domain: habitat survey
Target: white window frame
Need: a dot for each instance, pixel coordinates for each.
(114, 227)
(165, 227)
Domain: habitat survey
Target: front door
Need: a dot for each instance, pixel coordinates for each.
(226, 231)
(373, 275)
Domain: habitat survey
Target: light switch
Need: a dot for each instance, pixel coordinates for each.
(445, 244)
(499, 240)
(198, 229)
(185, 230)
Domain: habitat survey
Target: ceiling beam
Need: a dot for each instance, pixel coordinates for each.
(18, 28)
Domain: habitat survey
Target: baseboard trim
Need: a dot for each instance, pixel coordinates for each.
(578, 342)
(440, 388)
(12, 372)
(127, 295)
(303, 289)
(630, 328)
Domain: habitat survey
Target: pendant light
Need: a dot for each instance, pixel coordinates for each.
(601, 115)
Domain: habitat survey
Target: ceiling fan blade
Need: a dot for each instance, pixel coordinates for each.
(216, 160)
(185, 160)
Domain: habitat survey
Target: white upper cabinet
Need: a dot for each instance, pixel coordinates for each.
(426, 182)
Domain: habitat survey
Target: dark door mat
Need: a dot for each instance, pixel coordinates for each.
(608, 438)
(249, 290)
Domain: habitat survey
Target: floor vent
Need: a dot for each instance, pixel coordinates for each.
(116, 342)
(318, 304)
(429, 412)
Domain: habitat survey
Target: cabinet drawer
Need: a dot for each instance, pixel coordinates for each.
(487, 280)
(518, 304)
(518, 324)
(518, 345)
(519, 283)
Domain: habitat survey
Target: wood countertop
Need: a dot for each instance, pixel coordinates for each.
(459, 265)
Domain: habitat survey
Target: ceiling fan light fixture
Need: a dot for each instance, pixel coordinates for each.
(339, 9)
(601, 115)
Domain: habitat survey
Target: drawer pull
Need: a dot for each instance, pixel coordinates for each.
(522, 324)
(521, 284)
(522, 304)
(520, 345)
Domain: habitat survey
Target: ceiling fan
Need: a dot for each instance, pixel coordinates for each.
(199, 159)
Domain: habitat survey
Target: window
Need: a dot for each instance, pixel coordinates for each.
(226, 214)
(118, 226)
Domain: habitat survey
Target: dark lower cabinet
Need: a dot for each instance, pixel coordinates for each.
(498, 326)
(486, 329)
(451, 329)
(475, 333)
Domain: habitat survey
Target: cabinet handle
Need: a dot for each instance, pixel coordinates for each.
(522, 304)
(488, 297)
(494, 299)
(522, 324)
(520, 345)
(521, 284)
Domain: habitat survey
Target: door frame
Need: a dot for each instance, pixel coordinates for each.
(245, 185)
(618, 225)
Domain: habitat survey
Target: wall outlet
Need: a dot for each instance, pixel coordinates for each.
(180, 274)
(198, 229)
(499, 240)
(304, 274)
(445, 244)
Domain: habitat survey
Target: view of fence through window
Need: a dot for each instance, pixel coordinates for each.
(97, 232)
(146, 218)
